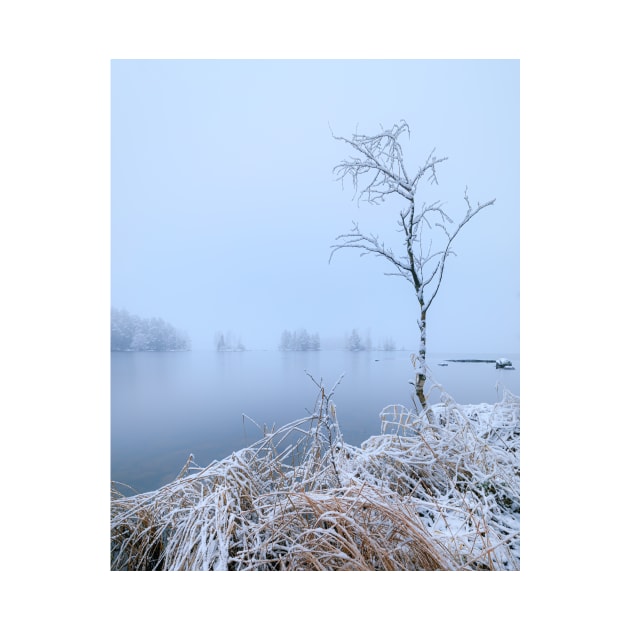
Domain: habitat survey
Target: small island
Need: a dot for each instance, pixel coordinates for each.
(130, 333)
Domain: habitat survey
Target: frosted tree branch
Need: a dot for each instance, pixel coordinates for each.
(370, 245)
(377, 171)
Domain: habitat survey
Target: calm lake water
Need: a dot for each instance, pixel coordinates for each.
(165, 406)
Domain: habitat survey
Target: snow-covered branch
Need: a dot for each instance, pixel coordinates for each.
(377, 170)
(370, 245)
(439, 270)
(381, 156)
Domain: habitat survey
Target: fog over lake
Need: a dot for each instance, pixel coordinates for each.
(224, 203)
(167, 405)
(225, 206)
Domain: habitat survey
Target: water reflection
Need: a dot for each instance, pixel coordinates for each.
(167, 405)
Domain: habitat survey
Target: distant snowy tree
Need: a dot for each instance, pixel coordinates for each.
(354, 341)
(133, 333)
(219, 342)
(314, 342)
(303, 340)
(377, 171)
(225, 342)
(140, 342)
(298, 340)
(122, 330)
(389, 344)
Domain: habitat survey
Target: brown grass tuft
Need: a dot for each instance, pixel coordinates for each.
(432, 492)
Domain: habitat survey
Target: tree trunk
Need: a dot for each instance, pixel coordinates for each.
(421, 371)
(420, 381)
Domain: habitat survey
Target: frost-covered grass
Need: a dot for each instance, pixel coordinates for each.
(434, 491)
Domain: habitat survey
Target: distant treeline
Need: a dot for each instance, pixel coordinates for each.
(355, 343)
(224, 342)
(303, 340)
(299, 340)
(133, 333)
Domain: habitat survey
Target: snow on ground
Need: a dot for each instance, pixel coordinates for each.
(435, 490)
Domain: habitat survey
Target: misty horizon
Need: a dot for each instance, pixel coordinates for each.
(225, 206)
(234, 340)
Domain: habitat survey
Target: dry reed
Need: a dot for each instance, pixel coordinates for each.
(433, 491)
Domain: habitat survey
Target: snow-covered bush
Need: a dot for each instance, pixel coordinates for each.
(433, 491)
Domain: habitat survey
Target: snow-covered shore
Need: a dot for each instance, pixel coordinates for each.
(433, 491)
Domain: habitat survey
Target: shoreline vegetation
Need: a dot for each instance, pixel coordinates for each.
(436, 490)
(131, 333)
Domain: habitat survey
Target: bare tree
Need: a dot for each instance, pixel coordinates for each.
(377, 171)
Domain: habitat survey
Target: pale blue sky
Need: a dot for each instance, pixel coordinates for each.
(224, 204)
